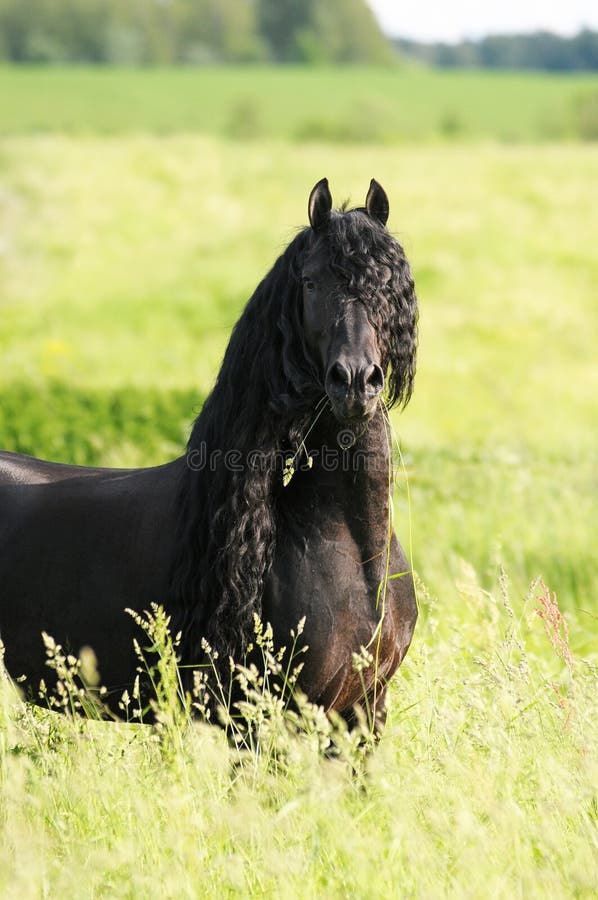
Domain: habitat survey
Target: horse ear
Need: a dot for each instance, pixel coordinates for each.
(376, 202)
(319, 206)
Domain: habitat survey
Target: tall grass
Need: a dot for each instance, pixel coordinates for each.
(483, 785)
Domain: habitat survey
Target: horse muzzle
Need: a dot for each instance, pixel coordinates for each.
(354, 391)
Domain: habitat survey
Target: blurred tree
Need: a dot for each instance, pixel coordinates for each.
(47, 31)
(539, 50)
(342, 31)
(586, 49)
(285, 27)
(190, 31)
(16, 22)
(347, 32)
(219, 30)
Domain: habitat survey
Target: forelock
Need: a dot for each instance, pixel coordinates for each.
(363, 253)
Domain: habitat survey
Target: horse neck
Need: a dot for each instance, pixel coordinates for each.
(354, 483)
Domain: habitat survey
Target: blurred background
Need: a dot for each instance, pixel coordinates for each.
(157, 155)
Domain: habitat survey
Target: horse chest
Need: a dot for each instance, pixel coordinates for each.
(323, 574)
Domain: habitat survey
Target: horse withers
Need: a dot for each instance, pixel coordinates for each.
(280, 507)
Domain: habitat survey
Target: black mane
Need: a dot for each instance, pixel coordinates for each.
(264, 398)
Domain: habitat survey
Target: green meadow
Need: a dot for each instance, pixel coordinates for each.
(342, 104)
(138, 210)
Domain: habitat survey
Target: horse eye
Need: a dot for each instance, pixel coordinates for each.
(309, 285)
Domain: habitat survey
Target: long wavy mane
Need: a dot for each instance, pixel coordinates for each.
(264, 397)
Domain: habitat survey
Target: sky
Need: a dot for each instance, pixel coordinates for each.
(451, 20)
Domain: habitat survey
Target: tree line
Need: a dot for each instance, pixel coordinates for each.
(154, 32)
(538, 50)
(150, 32)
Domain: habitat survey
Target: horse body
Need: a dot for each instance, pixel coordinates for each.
(222, 540)
(77, 546)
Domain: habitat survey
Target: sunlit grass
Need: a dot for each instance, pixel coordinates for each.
(483, 785)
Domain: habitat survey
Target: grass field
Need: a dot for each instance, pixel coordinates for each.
(340, 104)
(124, 261)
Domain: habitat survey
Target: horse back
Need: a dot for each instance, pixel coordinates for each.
(77, 546)
(17, 468)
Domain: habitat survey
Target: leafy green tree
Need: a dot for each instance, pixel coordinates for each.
(342, 31)
(539, 50)
(189, 31)
(219, 30)
(347, 32)
(284, 25)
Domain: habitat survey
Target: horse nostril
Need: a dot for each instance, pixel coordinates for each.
(373, 379)
(338, 378)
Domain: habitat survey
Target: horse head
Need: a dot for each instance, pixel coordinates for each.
(358, 304)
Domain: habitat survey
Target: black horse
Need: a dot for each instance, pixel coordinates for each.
(280, 507)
